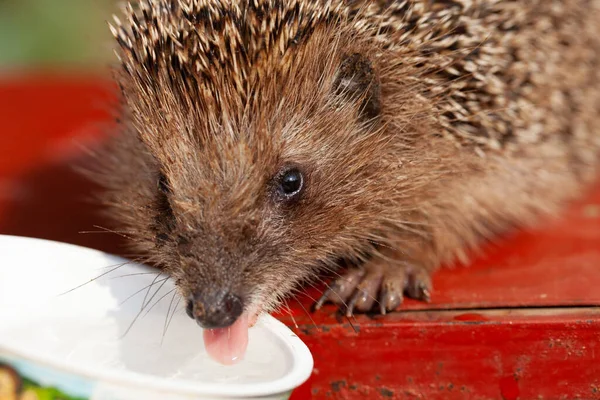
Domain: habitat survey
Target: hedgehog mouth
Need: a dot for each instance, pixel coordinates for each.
(228, 345)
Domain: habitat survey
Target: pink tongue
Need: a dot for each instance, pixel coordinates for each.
(228, 345)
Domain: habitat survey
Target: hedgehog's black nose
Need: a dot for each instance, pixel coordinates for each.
(214, 309)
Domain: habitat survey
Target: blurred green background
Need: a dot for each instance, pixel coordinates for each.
(55, 33)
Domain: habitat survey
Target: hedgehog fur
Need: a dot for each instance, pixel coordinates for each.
(423, 128)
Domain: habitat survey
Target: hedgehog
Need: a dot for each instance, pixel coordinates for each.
(264, 142)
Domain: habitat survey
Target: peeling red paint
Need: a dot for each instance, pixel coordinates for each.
(435, 356)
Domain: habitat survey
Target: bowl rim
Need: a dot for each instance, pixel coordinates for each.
(302, 362)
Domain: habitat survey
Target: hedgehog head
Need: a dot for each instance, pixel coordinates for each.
(262, 124)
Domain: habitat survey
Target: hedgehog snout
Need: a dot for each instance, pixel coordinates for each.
(214, 308)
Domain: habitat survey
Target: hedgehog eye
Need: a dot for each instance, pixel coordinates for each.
(290, 183)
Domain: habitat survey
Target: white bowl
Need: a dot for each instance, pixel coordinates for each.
(79, 343)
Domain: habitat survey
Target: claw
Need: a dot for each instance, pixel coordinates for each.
(426, 295)
(358, 289)
(361, 297)
(351, 304)
(323, 298)
(390, 299)
(341, 289)
(382, 296)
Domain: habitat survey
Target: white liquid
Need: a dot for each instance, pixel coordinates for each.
(85, 327)
(180, 356)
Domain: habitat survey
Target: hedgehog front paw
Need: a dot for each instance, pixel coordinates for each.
(378, 283)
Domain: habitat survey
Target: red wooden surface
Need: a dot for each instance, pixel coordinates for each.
(523, 322)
